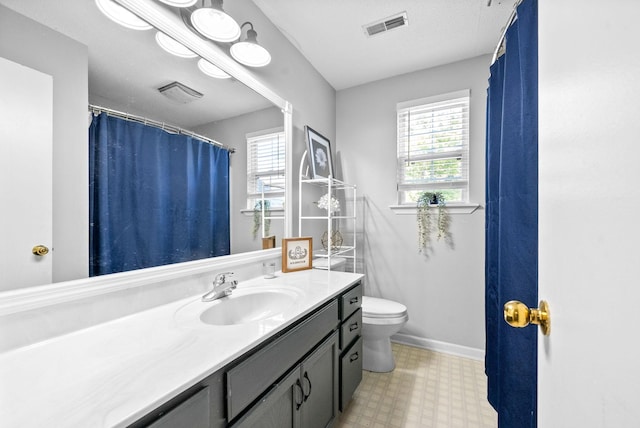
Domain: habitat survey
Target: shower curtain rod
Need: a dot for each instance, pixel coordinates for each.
(172, 129)
(500, 47)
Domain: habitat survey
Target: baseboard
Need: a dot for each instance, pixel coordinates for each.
(437, 346)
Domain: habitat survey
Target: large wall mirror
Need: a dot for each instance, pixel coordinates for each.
(125, 70)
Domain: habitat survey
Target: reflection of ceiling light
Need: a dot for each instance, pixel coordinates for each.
(173, 47)
(179, 3)
(213, 23)
(211, 70)
(249, 52)
(122, 16)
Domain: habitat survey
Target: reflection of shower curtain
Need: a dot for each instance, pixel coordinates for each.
(511, 264)
(155, 198)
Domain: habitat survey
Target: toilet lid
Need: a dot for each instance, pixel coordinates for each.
(373, 307)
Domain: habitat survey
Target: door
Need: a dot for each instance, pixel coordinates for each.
(26, 133)
(589, 228)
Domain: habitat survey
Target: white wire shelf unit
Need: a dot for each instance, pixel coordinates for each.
(347, 195)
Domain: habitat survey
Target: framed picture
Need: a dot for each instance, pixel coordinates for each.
(296, 254)
(319, 154)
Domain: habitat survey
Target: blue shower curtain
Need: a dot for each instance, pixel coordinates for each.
(155, 198)
(511, 263)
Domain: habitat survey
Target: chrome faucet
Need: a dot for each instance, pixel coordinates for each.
(220, 287)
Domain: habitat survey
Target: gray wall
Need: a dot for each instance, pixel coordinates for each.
(45, 50)
(292, 77)
(444, 291)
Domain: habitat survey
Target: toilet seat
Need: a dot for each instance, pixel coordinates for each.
(382, 311)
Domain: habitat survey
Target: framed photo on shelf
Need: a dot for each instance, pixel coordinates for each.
(296, 254)
(319, 150)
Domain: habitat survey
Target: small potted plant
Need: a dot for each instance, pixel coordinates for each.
(427, 201)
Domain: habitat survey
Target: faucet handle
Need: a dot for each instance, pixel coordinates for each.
(220, 278)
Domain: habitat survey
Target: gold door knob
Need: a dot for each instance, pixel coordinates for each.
(517, 314)
(40, 250)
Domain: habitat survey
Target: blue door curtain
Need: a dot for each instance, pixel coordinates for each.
(511, 262)
(155, 198)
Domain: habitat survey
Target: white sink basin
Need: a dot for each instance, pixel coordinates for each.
(248, 306)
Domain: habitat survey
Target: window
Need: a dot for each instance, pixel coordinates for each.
(265, 168)
(433, 147)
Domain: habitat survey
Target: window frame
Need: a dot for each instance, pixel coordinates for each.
(433, 104)
(252, 194)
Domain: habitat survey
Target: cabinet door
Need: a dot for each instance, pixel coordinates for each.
(280, 408)
(350, 372)
(194, 413)
(319, 377)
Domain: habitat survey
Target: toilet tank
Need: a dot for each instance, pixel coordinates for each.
(337, 263)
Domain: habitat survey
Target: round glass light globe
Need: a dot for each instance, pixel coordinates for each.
(173, 47)
(215, 25)
(179, 3)
(211, 70)
(122, 16)
(250, 54)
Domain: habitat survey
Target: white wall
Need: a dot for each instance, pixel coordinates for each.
(444, 292)
(26, 42)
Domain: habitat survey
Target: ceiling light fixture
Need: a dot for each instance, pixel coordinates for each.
(211, 70)
(249, 52)
(173, 47)
(213, 23)
(122, 16)
(179, 3)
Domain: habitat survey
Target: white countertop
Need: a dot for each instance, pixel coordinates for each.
(112, 374)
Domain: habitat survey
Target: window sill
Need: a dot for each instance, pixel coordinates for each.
(452, 208)
(276, 213)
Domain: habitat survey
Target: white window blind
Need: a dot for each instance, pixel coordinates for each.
(433, 147)
(265, 168)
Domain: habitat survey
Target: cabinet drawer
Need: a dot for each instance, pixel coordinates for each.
(350, 301)
(350, 372)
(351, 329)
(247, 380)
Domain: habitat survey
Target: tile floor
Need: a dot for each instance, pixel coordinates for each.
(426, 389)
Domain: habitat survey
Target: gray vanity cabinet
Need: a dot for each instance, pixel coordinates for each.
(306, 397)
(300, 378)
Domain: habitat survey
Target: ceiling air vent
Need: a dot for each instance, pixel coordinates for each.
(386, 24)
(180, 93)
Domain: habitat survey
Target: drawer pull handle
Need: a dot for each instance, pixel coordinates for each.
(353, 326)
(306, 376)
(299, 385)
(353, 357)
(353, 300)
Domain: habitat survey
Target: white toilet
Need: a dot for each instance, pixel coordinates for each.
(381, 319)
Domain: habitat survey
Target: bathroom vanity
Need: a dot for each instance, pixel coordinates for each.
(296, 364)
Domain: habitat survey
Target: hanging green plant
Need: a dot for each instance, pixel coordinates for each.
(257, 218)
(425, 204)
